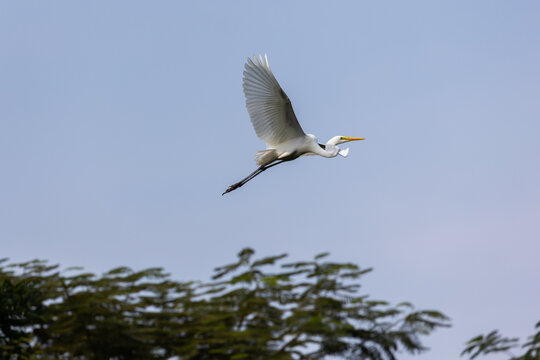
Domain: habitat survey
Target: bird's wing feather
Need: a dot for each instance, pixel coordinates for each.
(268, 106)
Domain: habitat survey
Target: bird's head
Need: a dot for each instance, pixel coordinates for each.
(343, 139)
(336, 140)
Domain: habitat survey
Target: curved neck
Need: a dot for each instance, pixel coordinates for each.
(329, 151)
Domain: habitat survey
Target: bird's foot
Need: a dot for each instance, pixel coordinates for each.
(232, 187)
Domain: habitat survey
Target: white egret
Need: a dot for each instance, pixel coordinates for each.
(274, 121)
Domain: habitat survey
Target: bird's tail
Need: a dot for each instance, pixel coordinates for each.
(264, 157)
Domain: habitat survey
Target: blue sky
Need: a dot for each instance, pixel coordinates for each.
(121, 123)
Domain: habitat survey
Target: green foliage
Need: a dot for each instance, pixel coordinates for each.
(495, 343)
(532, 346)
(251, 309)
(491, 343)
(21, 304)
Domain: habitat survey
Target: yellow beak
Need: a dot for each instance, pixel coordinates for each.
(346, 138)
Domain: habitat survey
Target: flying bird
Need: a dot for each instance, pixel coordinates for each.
(274, 122)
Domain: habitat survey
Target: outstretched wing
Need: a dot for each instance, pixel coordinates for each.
(268, 106)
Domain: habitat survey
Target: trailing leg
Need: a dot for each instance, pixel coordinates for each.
(250, 176)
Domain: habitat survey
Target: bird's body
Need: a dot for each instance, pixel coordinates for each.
(275, 123)
(304, 145)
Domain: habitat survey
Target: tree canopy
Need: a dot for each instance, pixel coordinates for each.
(251, 309)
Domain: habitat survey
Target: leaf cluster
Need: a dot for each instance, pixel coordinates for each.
(496, 343)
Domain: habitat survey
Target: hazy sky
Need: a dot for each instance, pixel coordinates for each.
(121, 123)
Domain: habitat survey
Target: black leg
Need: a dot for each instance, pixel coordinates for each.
(250, 176)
